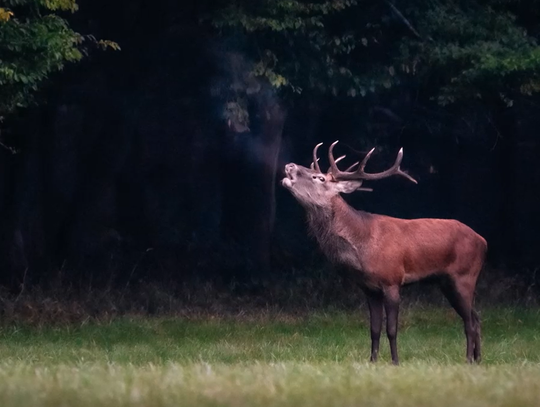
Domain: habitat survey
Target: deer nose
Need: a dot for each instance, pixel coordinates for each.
(290, 168)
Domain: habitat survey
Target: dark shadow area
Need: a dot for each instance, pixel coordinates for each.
(128, 185)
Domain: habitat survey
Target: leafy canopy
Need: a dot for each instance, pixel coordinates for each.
(35, 41)
(450, 50)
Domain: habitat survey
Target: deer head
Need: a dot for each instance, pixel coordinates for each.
(311, 187)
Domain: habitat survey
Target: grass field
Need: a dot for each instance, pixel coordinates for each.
(271, 360)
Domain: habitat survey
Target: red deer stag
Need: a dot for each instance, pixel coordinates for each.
(385, 252)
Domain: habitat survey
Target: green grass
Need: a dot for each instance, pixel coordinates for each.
(318, 360)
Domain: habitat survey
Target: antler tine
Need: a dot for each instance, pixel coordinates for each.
(333, 162)
(315, 163)
(340, 158)
(399, 171)
(404, 174)
(359, 174)
(334, 170)
(365, 160)
(394, 170)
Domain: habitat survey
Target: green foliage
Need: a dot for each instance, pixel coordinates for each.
(290, 46)
(474, 51)
(35, 42)
(295, 47)
(53, 5)
(449, 50)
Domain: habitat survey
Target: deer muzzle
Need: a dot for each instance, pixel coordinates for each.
(290, 175)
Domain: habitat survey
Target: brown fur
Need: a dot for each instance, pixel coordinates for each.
(391, 251)
(386, 253)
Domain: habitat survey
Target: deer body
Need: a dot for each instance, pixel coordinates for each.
(392, 251)
(385, 253)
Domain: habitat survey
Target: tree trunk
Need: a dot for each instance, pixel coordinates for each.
(249, 168)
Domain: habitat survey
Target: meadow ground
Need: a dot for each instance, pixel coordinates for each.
(271, 360)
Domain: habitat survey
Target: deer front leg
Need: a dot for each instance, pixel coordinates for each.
(375, 303)
(391, 305)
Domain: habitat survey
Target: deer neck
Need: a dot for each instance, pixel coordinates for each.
(339, 229)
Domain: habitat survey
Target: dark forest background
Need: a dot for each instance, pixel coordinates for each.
(128, 173)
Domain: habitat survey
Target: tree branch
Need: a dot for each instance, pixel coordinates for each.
(403, 19)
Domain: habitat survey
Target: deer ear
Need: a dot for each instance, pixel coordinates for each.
(346, 187)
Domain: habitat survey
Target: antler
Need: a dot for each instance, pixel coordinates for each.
(359, 174)
(315, 163)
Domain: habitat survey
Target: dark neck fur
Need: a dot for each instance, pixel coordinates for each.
(329, 224)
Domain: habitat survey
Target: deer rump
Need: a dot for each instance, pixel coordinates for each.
(384, 252)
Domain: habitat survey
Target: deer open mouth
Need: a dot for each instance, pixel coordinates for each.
(290, 176)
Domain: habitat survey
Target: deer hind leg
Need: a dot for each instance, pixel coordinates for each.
(460, 294)
(478, 337)
(391, 306)
(375, 303)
